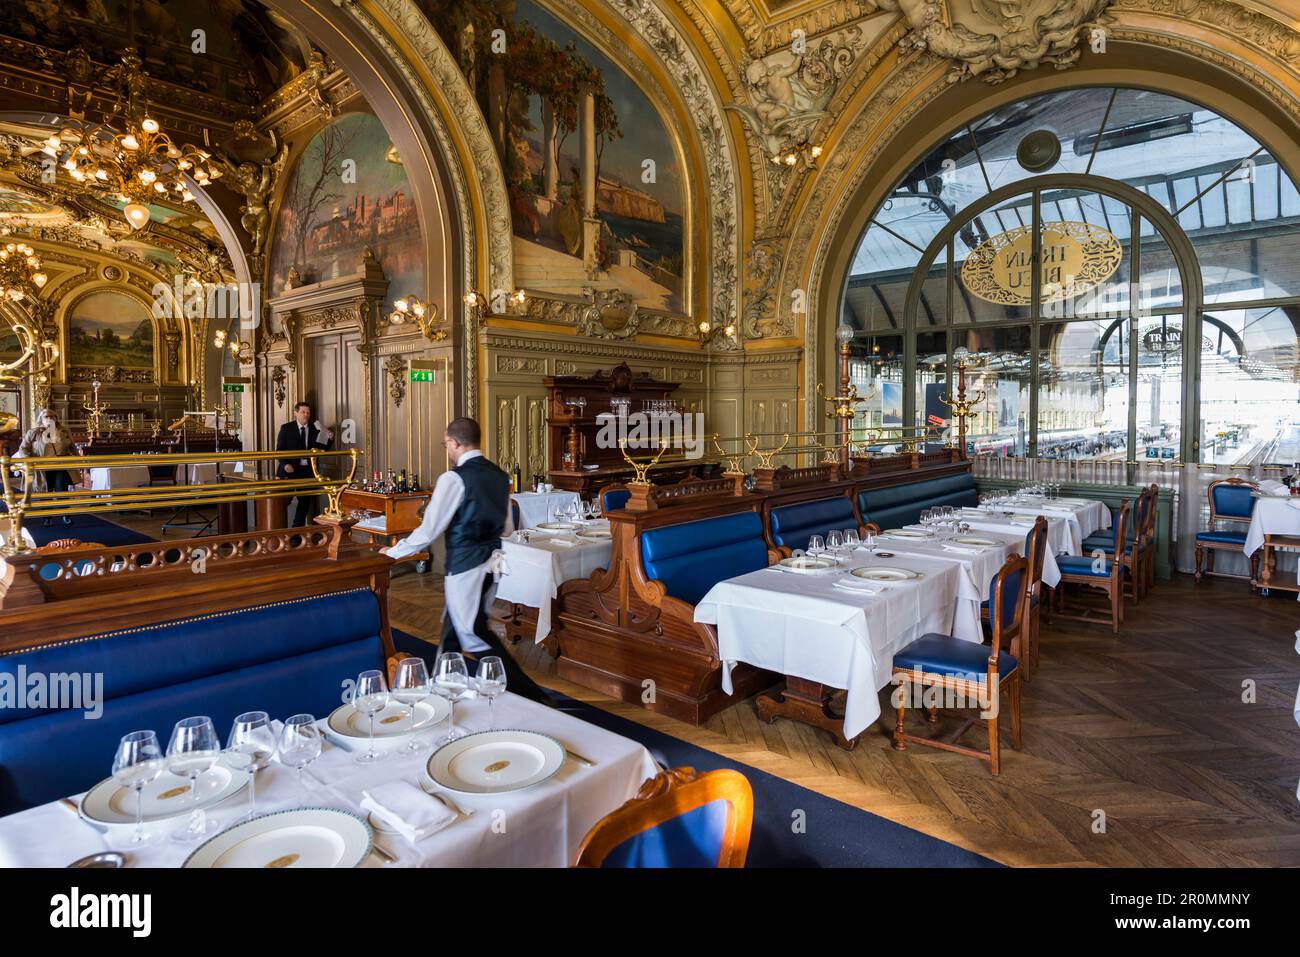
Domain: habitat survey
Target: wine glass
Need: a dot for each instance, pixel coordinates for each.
(193, 749)
(816, 545)
(410, 687)
(869, 542)
(491, 680)
(834, 542)
(851, 541)
(596, 506)
(300, 745)
(138, 761)
(451, 678)
(370, 697)
(250, 747)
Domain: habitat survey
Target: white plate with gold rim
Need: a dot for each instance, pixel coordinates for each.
(885, 573)
(906, 533)
(553, 527)
(596, 534)
(807, 564)
(165, 797)
(305, 837)
(490, 762)
(981, 542)
(391, 722)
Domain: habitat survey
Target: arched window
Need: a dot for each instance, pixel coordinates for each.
(1122, 268)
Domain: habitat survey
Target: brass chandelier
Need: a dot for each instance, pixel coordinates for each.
(129, 155)
(21, 279)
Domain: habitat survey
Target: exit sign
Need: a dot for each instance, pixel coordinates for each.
(423, 375)
(232, 387)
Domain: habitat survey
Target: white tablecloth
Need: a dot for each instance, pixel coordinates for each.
(804, 626)
(1087, 516)
(1273, 515)
(540, 826)
(977, 571)
(1062, 535)
(535, 571)
(135, 476)
(537, 507)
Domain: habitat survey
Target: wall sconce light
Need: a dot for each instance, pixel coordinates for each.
(499, 303)
(412, 308)
(707, 331)
(799, 152)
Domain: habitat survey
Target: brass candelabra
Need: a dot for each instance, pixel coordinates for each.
(844, 402)
(963, 405)
(94, 411)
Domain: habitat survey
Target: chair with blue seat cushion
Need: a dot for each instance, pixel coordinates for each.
(1139, 553)
(975, 675)
(1036, 546)
(678, 819)
(284, 658)
(690, 558)
(793, 525)
(1100, 571)
(613, 497)
(1231, 502)
(897, 505)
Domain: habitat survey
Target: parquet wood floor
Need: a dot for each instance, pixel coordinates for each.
(1172, 745)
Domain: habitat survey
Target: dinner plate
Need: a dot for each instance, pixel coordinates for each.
(885, 573)
(982, 542)
(305, 837)
(807, 564)
(906, 533)
(490, 762)
(557, 526)
(393, 721)
(596, 534)
(166, 796)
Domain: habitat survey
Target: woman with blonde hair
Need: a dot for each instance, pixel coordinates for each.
(47, 438)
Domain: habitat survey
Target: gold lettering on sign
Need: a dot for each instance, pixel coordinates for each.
(1076, 257)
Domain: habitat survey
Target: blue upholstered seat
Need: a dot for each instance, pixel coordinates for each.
(1222, 537)
(692, 839)
(692, 557)
(945, 655)
(614, 498)
(1232, 501)
(283, 658)
(898, 505)
(1084, 565)
(793, 525)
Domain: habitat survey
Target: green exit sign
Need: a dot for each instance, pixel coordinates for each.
(232, 387)
(423, 375)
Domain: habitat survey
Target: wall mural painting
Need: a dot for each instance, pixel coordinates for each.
(531, 92)
(348, 192)
(110, 329)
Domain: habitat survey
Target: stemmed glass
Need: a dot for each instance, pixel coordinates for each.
(300, 745)
(370, 697)
(250, 747)
(491, 680)
(451, 678)
(834, 542)
(925, 518)
(410, 687)
(193, 749)
(816, 545)
(596, 506)
(138, 761)
(851, 541)
(869, 543)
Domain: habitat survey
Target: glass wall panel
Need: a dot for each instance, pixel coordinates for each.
(1250, 386)
(1159, 409)
(1083, 391)
(931, 382)
(993, 268)
(999, 366)
(881, 362)
(1086, 254)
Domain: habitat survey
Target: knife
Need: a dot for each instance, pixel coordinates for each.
(579, 758)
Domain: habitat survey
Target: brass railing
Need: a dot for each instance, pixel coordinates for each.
(25, 501)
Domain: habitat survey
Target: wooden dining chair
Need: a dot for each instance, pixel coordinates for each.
(1026, 651)
(1099, 570)
(970, 672)
(1138, 546)
(516, 515)
(1231, 501)
(677, 819)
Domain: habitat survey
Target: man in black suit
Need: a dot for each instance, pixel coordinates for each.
(301, 434)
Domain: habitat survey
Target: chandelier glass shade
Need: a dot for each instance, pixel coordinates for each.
(129, 155)
(20, 271)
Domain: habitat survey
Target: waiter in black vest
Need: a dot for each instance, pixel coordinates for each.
(301, 434)
(471, 505)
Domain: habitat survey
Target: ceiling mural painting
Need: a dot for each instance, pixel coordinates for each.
(347, 195)
(612, 220)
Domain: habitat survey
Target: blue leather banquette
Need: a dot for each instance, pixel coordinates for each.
(692, 557)
(897, 505)
(793, 525)
(283, 658)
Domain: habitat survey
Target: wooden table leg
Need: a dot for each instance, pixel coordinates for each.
(806, 701)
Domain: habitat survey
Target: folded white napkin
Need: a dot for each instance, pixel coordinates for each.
(1273, 487)
(862, 589)
(558, 540)
(407, 809)
(964, 549)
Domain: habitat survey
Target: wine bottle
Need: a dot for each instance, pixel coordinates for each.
(517, 480)
(401, 483)
(415, 482)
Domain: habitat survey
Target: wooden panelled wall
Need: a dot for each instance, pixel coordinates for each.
(736, 393)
